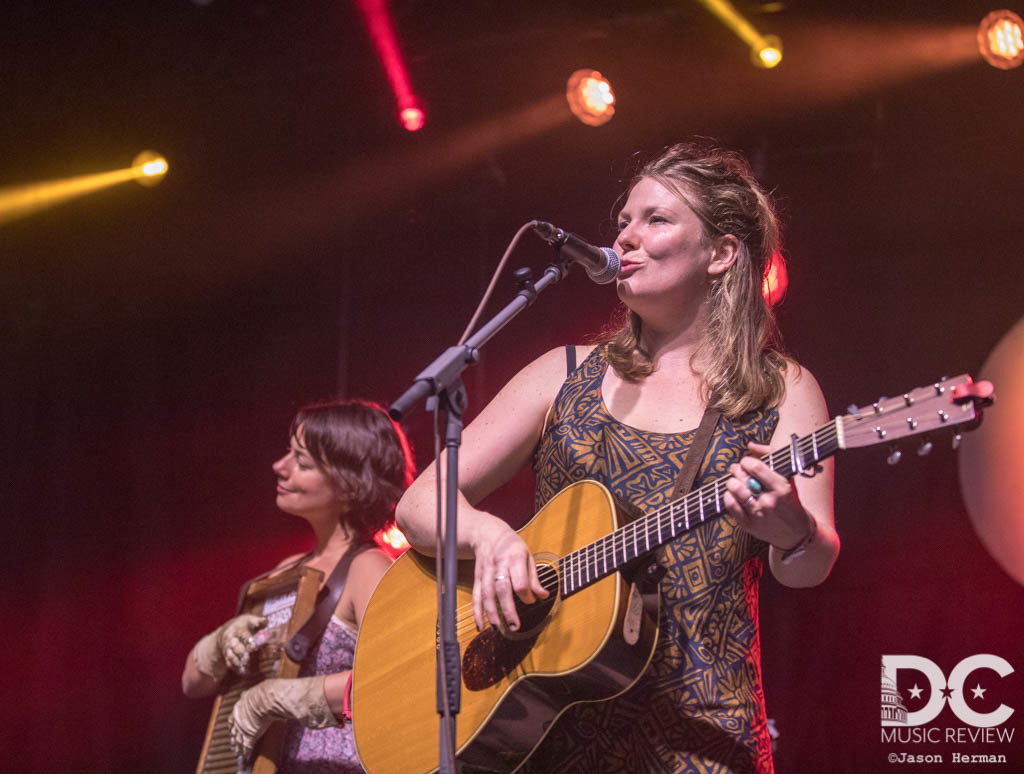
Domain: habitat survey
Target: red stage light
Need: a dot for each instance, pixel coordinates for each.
(393, 541)
(776, 280)
(412, 118)
(385, 40)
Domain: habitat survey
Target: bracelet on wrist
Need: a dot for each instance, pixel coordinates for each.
(346, 712)
(790, 554)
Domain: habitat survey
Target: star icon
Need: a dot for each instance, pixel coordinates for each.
(978, 691)
(915, 692)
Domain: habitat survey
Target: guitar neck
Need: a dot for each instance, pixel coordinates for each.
(592, 562)
(944, 405)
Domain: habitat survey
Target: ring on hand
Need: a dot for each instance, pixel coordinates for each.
(754, 485)
(500, 577)
(750, 501)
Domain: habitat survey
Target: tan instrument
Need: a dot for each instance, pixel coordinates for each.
(287, 600)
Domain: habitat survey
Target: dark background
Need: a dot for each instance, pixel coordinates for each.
(156, 341)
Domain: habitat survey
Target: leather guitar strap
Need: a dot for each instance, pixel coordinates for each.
(694, 457)
(300, 643)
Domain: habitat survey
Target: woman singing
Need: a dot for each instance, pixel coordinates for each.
(695, 235)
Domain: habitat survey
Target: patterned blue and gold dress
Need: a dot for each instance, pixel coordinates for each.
(699, 707)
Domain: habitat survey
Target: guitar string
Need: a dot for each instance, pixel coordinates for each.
(587, 556)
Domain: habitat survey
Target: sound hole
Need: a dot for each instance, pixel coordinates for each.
(491, 656)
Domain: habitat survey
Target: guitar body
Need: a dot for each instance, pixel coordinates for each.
(594, 637)
(588, 646)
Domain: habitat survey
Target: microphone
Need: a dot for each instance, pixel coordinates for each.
(600, 263)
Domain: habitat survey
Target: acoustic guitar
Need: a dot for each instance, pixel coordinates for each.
(592, 638)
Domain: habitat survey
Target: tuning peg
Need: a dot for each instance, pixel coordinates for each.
(853, 411)
(924, 448)
(957, 438)
(894, 455)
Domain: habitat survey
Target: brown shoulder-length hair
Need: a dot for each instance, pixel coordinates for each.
(742, 367)
(364, 454)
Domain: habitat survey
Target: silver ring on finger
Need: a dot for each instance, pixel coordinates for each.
(751, 501)
(500, 577)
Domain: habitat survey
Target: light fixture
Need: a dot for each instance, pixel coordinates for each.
(381, 26)
(150, 168)
(1000, 41)
(767, 52)
(590, 97)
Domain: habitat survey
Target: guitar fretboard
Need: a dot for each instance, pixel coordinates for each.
(590, 563)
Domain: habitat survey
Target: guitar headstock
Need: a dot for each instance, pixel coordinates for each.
(947, 404)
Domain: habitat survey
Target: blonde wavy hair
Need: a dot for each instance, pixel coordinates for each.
(743, 367)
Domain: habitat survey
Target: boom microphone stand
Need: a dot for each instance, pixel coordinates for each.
(441, 382)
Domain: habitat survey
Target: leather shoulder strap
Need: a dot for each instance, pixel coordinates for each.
(699, 446)
(300, 643)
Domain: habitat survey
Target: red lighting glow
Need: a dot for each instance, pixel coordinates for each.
(412, 119)
(385, 40)
(393, 541)
(776, 280)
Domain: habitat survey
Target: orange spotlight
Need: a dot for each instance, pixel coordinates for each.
(776, 279)
(999, 39)
(590, 97)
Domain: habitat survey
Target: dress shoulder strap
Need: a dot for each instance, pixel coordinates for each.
(570, 359)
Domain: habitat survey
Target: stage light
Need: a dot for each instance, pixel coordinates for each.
(380, 24)
(590, 97)
(1000, 41)
(412, 119)
(19, 201)
(765, 50)
(776, 280)
(393, 541)
(150, 168)
(768, 53)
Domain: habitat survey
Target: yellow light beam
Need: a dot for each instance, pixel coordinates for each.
(766, 49)
(23, 200)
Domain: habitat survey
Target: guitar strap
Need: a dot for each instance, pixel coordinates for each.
(698, 447)
(300, 643)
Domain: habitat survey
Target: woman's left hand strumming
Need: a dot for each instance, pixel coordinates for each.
(766, 504)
